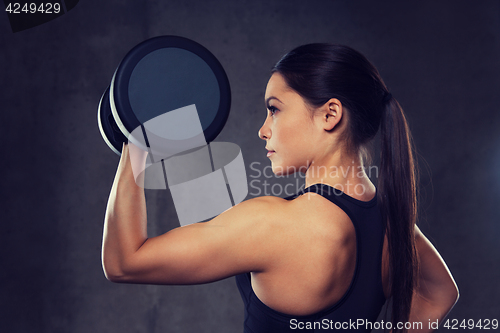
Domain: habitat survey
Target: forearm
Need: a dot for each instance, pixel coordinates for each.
(125, 226)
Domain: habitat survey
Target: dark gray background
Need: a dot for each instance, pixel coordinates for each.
(441, 60)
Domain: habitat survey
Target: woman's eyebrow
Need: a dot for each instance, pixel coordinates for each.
(272, 97)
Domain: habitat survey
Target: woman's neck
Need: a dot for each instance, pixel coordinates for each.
(345, 172)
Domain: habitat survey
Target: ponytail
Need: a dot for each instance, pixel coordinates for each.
(397, 194)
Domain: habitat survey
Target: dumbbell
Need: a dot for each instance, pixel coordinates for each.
(171, 97)
(110, 132)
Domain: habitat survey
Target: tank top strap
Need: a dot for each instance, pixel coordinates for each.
(345, 202)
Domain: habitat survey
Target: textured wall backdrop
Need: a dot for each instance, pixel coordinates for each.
(441, 60)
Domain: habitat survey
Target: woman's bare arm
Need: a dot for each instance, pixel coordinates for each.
(234, 242)
(125, 226)
(437, 292)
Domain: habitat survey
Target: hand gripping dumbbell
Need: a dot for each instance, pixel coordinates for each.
(171, 97)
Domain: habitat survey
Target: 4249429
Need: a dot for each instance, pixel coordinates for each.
(471, 324)
(43, 8)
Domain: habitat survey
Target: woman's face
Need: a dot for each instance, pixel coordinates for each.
(289, 129)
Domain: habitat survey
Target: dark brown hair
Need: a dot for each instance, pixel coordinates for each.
(319, 72)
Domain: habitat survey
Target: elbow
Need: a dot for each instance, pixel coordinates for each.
(453, 292)
(118, 276)
(120, 268)
(119, 272)
(440, 299)
(455, 295)
(113, 271)
(450, 299)
(112, 274)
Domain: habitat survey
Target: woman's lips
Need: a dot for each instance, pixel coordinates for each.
(270, 152)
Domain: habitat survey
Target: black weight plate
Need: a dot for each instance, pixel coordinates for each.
(166, 73)
(110, 132)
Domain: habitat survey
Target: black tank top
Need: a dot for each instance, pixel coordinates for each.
(364, 297)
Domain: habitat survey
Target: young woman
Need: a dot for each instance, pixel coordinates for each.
(327, 256)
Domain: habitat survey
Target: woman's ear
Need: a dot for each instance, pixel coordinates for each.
(331, 113)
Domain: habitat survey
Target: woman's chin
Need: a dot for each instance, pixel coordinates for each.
(277, 170)
(279, 173)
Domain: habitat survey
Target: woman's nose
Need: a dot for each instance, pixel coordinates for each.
(264, 131)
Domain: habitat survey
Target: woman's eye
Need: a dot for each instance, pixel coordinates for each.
(272, 109)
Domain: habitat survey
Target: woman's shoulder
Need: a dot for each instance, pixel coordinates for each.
(259, 211)
(265, 210)
(277, 208)
(273, 218)
(309, 211)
